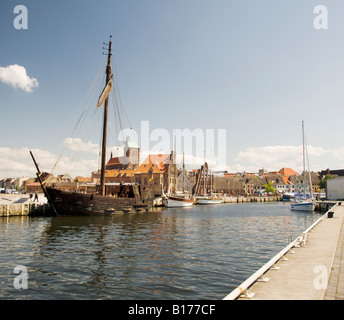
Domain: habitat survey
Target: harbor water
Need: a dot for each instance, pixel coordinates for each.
(202, 252)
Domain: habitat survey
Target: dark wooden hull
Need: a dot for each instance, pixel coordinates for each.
(81, 204)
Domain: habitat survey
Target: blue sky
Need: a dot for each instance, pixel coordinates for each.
(253, 68)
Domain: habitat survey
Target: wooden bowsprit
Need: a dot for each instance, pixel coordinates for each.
(41, 183)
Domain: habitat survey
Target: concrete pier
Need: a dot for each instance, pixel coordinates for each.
(325, 205)
(312, 269)
(21, 205)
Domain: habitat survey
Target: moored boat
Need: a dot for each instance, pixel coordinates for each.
(177, 202)
(304, 204)
(128, 198)
(209, 200)
(288, 196)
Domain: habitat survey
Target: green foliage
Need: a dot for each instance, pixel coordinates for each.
(269, 187)
(322, 182)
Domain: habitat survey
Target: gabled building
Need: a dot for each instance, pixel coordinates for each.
(298, 182)
(157, 170)
(130, 160)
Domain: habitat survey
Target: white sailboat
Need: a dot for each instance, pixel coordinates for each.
(304, 204)
(210, 199)
(178, 200)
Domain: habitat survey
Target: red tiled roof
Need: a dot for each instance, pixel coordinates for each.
(287, 172)
(115, 160)
(158, 163)
(285, 180)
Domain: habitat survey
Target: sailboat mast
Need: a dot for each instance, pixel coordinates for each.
(204, 175)
(183, 174)
(310, 186)
(108, 76)
(304, 163)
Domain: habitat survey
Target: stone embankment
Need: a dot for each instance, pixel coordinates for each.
(22, 205)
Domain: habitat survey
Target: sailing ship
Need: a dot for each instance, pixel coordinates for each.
(205, 198)
(178, 200)
(129, 196)
(302, 203)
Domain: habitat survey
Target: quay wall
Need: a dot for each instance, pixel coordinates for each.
(24, 209)
(7, 210)
(251, 199)
(22, 205)
(324, 206)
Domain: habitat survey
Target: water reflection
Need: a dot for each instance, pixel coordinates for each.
(198, 253)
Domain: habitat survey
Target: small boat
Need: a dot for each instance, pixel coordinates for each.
(177, 201)
(288, 196)
(304, 204)
(209, 200)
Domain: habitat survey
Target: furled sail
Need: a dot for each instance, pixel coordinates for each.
(105, 93)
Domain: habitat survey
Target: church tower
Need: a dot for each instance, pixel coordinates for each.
(132, 154)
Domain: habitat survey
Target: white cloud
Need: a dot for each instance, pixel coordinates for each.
(16, 76)
(277, 157)
(17, 162)
(77, 144)
(269, 157)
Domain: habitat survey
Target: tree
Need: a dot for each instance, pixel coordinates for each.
(322, 182)
(269, 187)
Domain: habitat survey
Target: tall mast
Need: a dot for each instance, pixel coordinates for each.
(204, 176)
(310, 187)
(304, 163)
(108, 77)
(183, 174)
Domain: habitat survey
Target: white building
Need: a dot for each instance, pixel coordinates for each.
(19, 182)
(335, 188)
